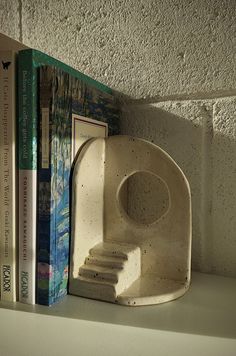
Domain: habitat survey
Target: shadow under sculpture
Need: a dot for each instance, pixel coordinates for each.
(114, 257)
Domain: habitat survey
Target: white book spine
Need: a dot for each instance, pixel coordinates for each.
(8, 179)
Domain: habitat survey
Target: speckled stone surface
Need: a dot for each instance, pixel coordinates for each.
(157, 266)
(144, 48)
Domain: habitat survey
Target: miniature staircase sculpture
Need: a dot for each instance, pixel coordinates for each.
(109, 270)
(100, 201)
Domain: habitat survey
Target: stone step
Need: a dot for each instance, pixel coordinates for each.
(100, 273)
(98, 289)
(105, 261)
(112, 250)
(109, 270)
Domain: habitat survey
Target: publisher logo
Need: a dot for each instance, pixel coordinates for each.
(6, 271)
(24, 284)
(5, 65)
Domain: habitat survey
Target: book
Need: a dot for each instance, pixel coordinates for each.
(29, 61)
(72, 111)
(8, 178)
(9, 44)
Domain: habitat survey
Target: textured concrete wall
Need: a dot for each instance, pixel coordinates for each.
(10, 18)
(175, 62)
(145, 48)
(201, 136)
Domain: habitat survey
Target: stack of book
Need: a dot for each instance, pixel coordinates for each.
(47, 111)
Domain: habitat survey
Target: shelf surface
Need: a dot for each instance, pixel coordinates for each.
(206, 313)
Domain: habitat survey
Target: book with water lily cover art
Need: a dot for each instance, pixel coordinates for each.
(71, 111)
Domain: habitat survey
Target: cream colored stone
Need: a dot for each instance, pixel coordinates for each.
(89, 205)
(109, 270)
(156, 256)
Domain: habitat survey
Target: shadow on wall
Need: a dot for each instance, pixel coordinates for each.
(187, 131)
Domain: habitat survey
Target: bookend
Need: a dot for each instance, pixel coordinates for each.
(119, 257)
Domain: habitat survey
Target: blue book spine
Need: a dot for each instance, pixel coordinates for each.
(61, 95)
(55, 141)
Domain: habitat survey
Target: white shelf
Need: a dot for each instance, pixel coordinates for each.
(202, 322)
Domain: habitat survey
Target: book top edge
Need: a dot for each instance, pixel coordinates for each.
(39, 59)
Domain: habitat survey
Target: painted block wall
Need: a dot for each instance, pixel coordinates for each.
(174, 63)
(200, 136)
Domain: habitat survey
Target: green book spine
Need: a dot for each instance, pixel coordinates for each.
(27, 164)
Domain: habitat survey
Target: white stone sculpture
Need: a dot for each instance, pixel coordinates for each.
(115, 257)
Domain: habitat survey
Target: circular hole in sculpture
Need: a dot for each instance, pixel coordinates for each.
(144, 197)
